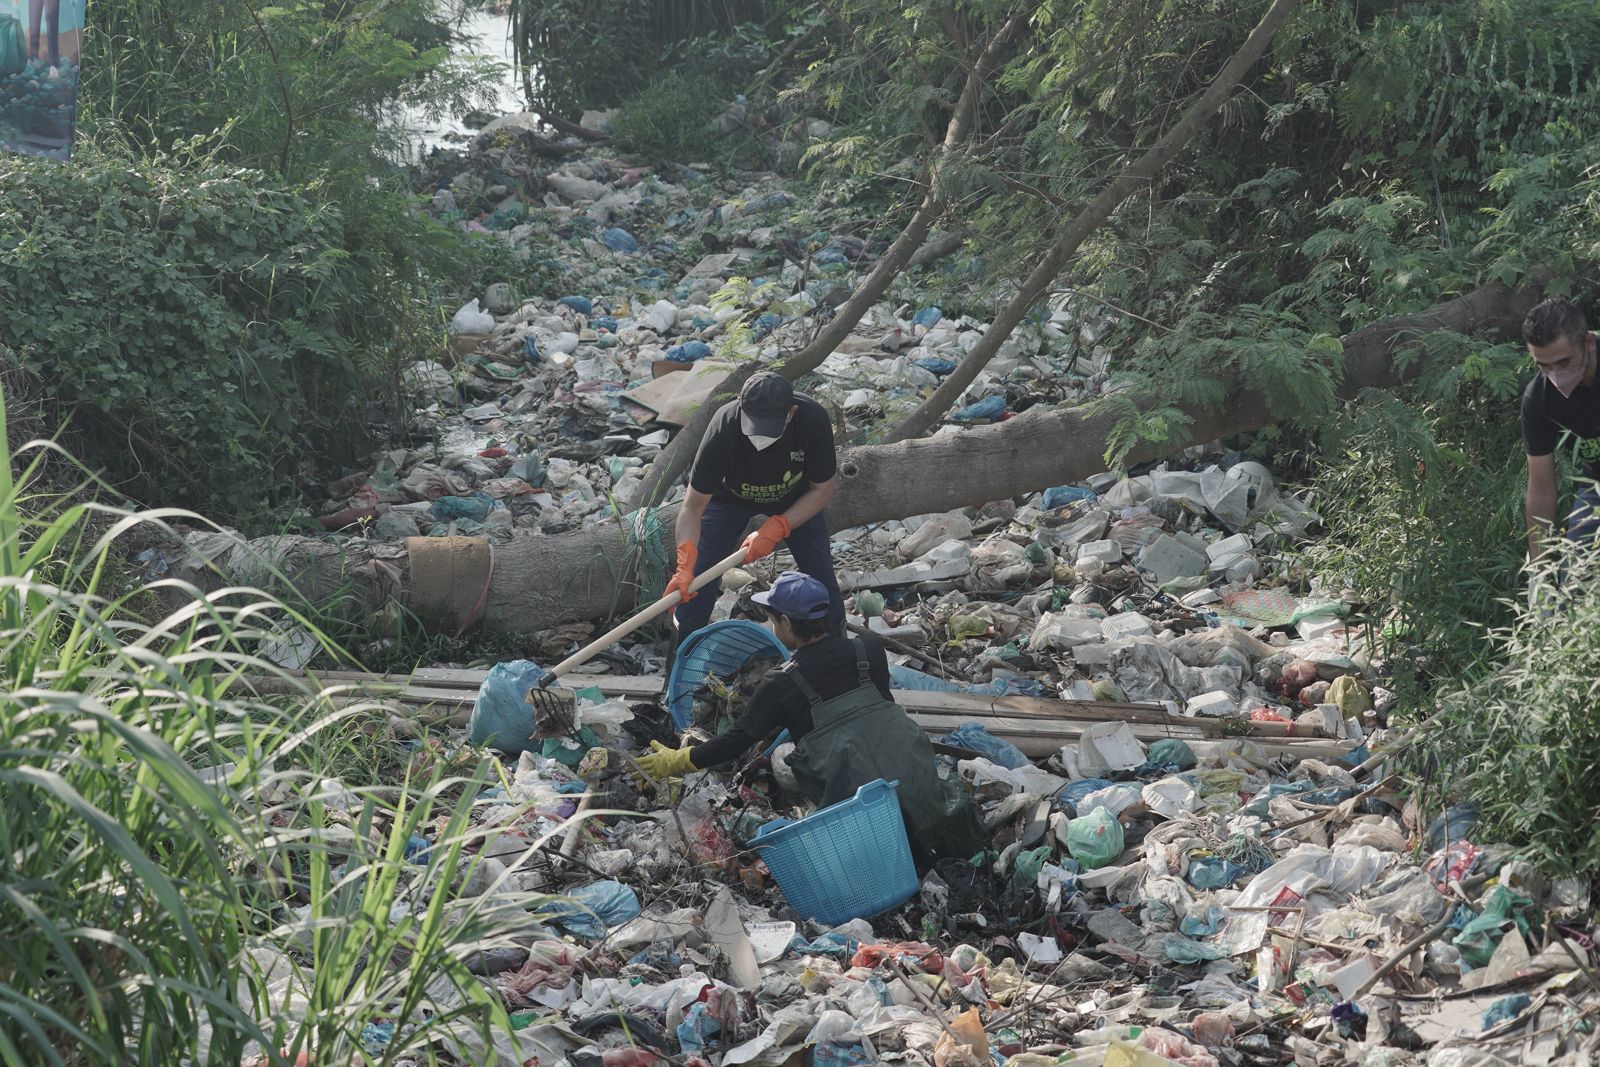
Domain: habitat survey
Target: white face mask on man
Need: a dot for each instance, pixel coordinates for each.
(1567, 380)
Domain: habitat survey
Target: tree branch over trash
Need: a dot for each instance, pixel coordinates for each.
(910, 243)
(1133, 178)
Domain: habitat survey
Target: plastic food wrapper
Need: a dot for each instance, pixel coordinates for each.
(1108, 746)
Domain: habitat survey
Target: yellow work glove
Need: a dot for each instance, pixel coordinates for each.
(764, 542)
(663, 762)
(683, 577)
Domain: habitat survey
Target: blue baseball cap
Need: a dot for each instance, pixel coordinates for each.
(796, 595)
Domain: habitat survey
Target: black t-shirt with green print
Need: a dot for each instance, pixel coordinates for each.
(1547, 417)
(730, 469)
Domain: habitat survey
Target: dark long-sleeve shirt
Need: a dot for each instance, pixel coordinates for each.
(829, 666)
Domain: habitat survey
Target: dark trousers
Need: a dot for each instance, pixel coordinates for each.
(1583, 521)
(721, 530)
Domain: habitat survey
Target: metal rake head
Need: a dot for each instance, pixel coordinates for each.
(555, 711)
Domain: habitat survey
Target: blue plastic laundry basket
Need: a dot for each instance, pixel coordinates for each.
(721, 648)
(851, 860)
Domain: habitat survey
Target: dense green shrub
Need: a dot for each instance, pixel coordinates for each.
(202, 326)
(1522, 739)
(670, 120)
(596, 53)
(230, 272)
(182, 870)
(1424, 509)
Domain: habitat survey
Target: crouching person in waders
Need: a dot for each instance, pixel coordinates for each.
(833, 698)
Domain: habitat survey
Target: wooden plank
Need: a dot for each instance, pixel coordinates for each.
(1091, 711)
(442, 686)
(1037, 739)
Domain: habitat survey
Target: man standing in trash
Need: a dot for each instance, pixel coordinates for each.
(1562, 398)
(833, 698)
(771, 453)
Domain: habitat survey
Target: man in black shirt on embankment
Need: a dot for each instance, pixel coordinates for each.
(1562, 399)
(768, 453)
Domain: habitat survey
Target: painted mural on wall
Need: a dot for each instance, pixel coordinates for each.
(40, 49)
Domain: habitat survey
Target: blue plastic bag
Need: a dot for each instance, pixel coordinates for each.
(832, 943)
(928, 316)
(589, 909)
(918, 681)
(1203, 925)
(765, 323)
(1025, 687)
(619, 240)
(990, 407)
(581, 304)
(973, 736)
(1072, 795)
(839, 1054)
(502, 718)
(1167, 756)
(1455, 823)
(1258, 803)
(901, 677)
(475, 507)
(375, 1037)
(1061, 495)
(1506, 1008)
(688, 352)
(530, 468)
(1213, 872)
(696, 1028)
(605, 323)
(935, 365)
(1180, 949)
(530, 349)
(829, 257)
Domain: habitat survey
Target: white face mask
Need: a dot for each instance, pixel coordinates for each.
(762, 443)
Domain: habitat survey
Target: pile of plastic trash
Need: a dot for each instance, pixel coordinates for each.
(1172, 902)
(545, 407)
(1218, 871)
(1171, 587)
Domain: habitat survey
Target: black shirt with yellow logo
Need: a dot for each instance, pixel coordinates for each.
(730, 469)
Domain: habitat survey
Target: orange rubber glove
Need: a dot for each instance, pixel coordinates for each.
(684, 575)
(765, 541)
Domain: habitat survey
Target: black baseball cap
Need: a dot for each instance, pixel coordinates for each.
(764, 404)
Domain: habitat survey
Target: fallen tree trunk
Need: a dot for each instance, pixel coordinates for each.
(535, 582)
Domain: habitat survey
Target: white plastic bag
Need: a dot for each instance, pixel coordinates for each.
(471, 319)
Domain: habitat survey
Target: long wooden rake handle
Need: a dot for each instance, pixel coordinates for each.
(623, 629)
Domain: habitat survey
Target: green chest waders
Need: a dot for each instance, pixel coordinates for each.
(859, 737)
